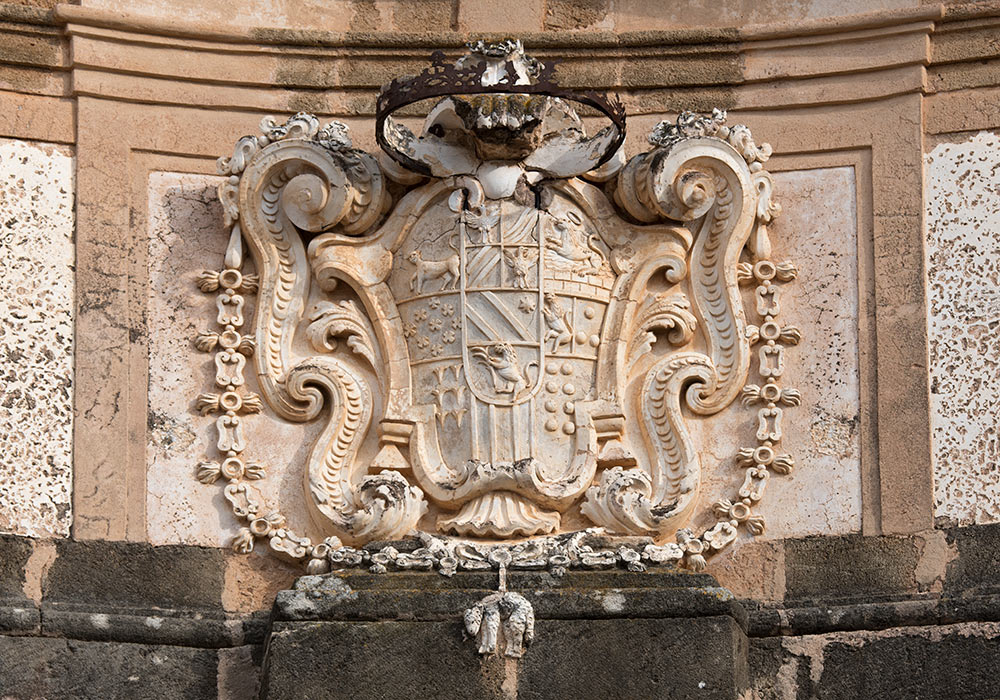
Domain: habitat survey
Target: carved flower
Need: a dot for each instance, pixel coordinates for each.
(385, 557)
(437, 349)
(448, 336)
(434, 324)
(527, 305)
(348, 556)
(317, 566)
(420, 315)
(661, 554)
(631, 559)
(434, 303)
(447, 310)
(409, 330)
(423, 341)
(456, 323)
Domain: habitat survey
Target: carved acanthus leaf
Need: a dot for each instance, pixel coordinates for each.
(328, 321)
(669, 313)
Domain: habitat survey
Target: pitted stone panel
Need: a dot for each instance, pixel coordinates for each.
(963, 269)
(36, 337)
(186, 235)
(817, 230)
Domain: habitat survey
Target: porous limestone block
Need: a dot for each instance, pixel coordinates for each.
(963, 307)
(36, 337)
(186, 235)
(817, 230)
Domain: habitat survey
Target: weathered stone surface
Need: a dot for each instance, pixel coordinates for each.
(823, 494)
(14, 554)
(636, 658)
(977, 562)
(122, 574)
(775, 674)
(851, 565)
(36, 337)
(376, 659)
(923, 663)
(962, 217)
(186, 235)
(61, 668)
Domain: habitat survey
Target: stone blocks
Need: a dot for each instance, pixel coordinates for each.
(660, 634)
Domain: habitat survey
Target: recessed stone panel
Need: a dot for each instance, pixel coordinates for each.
(36, 337)
(963, 305)
(817, 230)
(186, 235)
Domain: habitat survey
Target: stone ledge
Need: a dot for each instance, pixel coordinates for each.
(187, 628)
(174, 627)
(428, 596)
(19, 617)
(872, 615)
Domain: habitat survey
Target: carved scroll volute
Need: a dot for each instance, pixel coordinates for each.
(288, 185)
(355, 506)
(706, 181)
(308, 180)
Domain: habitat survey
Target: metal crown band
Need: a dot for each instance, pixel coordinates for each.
(443, 79)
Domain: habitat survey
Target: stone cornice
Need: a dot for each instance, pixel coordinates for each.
(95, 17)
(838, 60)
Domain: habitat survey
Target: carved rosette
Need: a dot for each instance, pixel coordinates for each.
(501, 348)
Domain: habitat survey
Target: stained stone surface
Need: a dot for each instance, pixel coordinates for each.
(817, 230)
(36, 337)
(186, 235)
(963, 269)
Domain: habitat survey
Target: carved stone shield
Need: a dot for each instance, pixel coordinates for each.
(502, 306)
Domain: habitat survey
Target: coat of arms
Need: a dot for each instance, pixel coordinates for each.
(530, 320)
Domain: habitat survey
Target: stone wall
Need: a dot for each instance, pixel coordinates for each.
(884, 120)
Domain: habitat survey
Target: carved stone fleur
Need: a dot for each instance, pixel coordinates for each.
(496, 347)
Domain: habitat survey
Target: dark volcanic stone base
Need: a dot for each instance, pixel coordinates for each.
(608, 635)
(570, 660)
(33, 667)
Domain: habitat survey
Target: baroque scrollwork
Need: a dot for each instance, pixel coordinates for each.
(497, 346)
